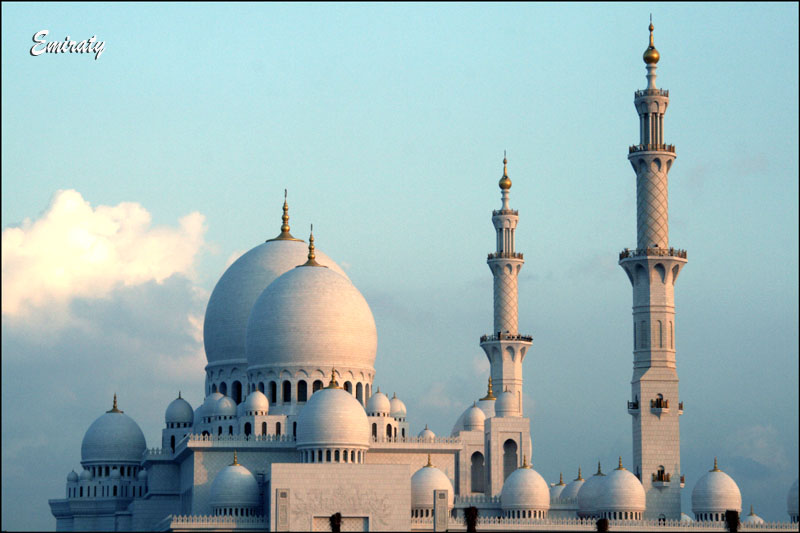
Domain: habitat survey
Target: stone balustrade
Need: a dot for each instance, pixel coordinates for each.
(652, 92)
(505, 255)
(500, 336)
(651, 148)
(654, 251)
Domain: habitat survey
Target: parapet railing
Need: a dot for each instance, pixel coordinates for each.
(651, 92)
(157, 452)
(663, 477)
(500, 336)
(659, 403)
(589, 524)
(476, 498)
(506, 255)
(505, 212)
(654, 147)
(416, 440)
(239, 438)
(214, 520)
(633, 406)
(654, 251)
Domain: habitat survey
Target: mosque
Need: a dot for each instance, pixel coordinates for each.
(291, 435)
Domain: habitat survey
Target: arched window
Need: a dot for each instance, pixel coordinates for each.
(348, 387)
(115, 490)
(388, 431)
(223, 388)
(336, 456)
(277, 428)
(219, 430)
(263, 428)
(294, 429)
(671, 340)
(476, 472)
(302, 391)
(205, 433)
(214, 387)
(261, 387)
(172, 442)
(374, 431)
(360, 393)
(230, 430)
(247, 428)
(403, 432)
(287, 391)
(643, 334)
(273, 392)
(510, 460)
(236, 392)
(81, 494)
(316, 386)
(660, 334)
(328, 456)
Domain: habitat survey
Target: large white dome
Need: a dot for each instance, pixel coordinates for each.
(716, 492)
(314, 318)
(229, 307)
(620, 491)
(235, 487)
(525, 488)
(333, 418)
(587, 496)
(424, 482)
(113, 438)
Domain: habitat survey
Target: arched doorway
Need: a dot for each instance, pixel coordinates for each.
(477, 472)
(510, 460)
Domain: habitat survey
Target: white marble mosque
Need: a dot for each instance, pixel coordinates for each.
(292, 432)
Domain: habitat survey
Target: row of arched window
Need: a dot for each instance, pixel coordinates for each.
(171, 425)
(710, 517)
(235, 390)
(105, 491)
(391, 431)
(421, 513)
(621, 515)
(526, 513)
(641, 337)
(270, 389)
(105, 471)
(234, 511)
(333, 456)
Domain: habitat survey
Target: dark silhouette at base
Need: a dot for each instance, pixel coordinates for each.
(602, 524)
(732, 521)
(336, 522)
(471, 518)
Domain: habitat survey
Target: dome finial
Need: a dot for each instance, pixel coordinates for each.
(235, 462)
(525, 461)
(333, 383)
(489, 394)
(179, 394)
(579, 478)
(114, 407)
(751, 510)
(284, 234)
(599, 470)
(620, 467)
(312, 262)
(651, 55)
(430, 464)
(561, 478)
(505, 182)
(716, 468)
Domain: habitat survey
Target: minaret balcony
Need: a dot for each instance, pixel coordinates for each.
(651, 252)
(633, 408)
(505, 255)
(659, 406)
(498, 212)
(652, 92)
(500, 336)
(660, 479)
(651, 148)
(683, 481)
(680, 408)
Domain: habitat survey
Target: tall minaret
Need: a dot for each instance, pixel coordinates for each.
(505, 347)
(652, 269)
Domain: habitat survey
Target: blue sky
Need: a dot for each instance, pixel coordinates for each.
(387, 123)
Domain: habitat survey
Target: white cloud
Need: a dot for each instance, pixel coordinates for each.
(760, 443)
(74, 250)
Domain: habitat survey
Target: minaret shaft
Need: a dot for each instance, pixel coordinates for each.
(652, 270)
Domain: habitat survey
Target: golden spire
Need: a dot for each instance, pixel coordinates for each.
(430, 464)
(285, 235)
(599, 470)
(579, 478)
(179, 395)
(333, 384)
(489, 395)
(560, 478)
(525, 462)
(716, 468)
(620, 467)
(235, 462)
(394, 395)
(651, 55)
(751, 510)
(505, 182)
(312, 262)
(114, 407)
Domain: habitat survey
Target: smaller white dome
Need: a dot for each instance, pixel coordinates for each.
(225, 406)
(256, 404)
(557, 489)
(234, 487)
(379, 404)
(487, 406)
(179, 412)
(142, 475)
(115, 473)
(113, 438)
(572, 489)
(752, 518)
(333, 418)
(716, 492)
(474, 418)
(587, 496)
(72, 477)
(397, 408)
(620, 491)
(87, 475)
(506, 405)
(791, 500)
(426, 434)
(207, 408)
(686, 518)
(424, 482)
(525, 489)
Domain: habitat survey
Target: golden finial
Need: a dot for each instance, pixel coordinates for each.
(333, 384)
(505, 182)
(430, 464)
(235, 462)
(525, 462)
(179, 395)
(312, 262)
(651, 55)
(114, 407)
(426, 426)
(560, 478)
(394, 395)
(620, 467)
(716, 468)
(285, 235)
(751, 510)
(379, 390)
(599, 470)
(579, 478)
(489, 395)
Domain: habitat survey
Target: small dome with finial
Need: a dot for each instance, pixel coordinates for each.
(572, 489)
(505, 181)
(426, 434)
(651, 55)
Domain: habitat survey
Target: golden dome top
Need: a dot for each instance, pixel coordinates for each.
(505, 182)
(651, 55)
